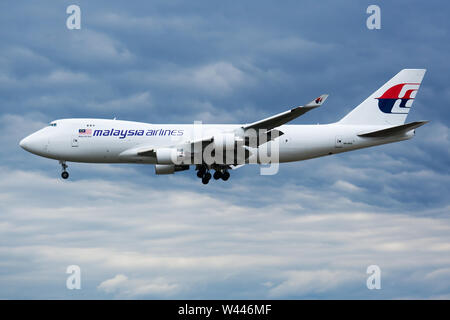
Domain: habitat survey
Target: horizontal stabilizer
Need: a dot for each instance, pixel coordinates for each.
(393, 131)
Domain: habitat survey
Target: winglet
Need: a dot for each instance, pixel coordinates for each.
(317, 101)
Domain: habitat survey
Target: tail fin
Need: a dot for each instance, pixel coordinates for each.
(390, 104)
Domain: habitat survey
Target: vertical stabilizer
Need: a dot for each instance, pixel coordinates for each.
(390, 104)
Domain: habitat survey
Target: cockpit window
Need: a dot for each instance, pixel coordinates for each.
(52, 124)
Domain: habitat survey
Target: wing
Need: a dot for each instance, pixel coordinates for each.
(139, 152)
(284, 117)
(268, 124)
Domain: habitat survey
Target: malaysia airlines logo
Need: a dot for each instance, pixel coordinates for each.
(402, 92)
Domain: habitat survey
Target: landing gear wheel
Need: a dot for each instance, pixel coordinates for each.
(225, 176)
(201, 171)
(217, 175)
(206, 178)
(64, 166)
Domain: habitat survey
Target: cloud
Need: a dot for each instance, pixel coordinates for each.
(112, 285)
(294, 45)
(66, 77)
(141, 100)
(308, 232)
(346, 186)
(219, 78)
(310, 282)
(171, 248)
(88, 47)
(153, 23)
(122, 287)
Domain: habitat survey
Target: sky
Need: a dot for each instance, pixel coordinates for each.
(308, 232)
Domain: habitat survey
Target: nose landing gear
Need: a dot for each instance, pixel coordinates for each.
(64, 166)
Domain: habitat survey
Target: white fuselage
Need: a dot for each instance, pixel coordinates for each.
(106, 141)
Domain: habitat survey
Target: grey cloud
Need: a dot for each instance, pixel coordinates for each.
(168, 239)
(309, 231)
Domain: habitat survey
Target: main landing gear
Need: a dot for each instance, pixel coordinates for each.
(64, 166)
(204, 174)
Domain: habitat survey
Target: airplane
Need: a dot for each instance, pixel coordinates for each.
(171, 148)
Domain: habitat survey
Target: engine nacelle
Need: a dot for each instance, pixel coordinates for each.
(169, 168)
(169, 156)
(224, 141)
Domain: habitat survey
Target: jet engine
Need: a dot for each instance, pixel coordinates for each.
(169, 156)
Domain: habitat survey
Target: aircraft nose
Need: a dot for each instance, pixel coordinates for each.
(34, 143)
(25, 143)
